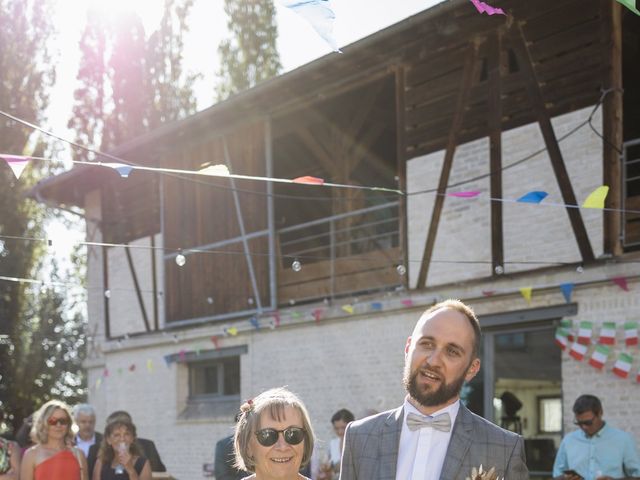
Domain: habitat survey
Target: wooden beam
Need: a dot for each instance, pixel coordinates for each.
(612, 124)
(401, 165)
(525, 61)
(136, 285)
(105, 288)
(496, 66)
(154, 283)
(456, 124)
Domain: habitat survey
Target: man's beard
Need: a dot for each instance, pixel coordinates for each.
(431, 398)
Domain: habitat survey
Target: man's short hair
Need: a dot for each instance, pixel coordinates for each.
(468, 312)
(587, 403)
(84, 409)
(344, 415)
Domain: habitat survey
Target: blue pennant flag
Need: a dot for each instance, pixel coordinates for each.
(567, 289)
(533, 197)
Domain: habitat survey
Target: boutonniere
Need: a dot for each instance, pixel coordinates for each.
(480, 474)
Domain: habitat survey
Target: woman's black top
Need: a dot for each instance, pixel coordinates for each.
(109, 473)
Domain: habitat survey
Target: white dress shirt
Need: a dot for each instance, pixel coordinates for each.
(84, 445)
(421, 453)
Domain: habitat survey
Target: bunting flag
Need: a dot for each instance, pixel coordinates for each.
(599, 356)
(214, 339)
(182, 354)
(132, 367)
(631, 333)
(567, 290)
(585, 331)
(376, 306)
(483, 7)
(638, 377)
(407, 302)
(533, 197)
(348, 309)
(105, 372)
(488, 293)
(596, 198)
(469, 194)
(167, 360)
(98, 383)
(578, 351)
(123, 169)
(567, 324)
(319, 14)
(621, 282)
(308, 180)
(233, 331)
(214, 170)
(526, 292)
(255, 322)
(562, 338)
(622, 367)
(17, 163)
(150, 365)
(633, 5)
(607, 333)
(276, 318)
(317, 314)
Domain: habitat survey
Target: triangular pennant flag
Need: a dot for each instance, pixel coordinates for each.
(348, 309)
(150, 365)
(633, 5)
(376, 306)
(98, 383)
(533, 197)
(407, 302)
(167, 360)
(182, 354)
(319, 14)
(621, 282)
(596, 198)
(317, 314)
(296, 314)
(567, 324)
(123, 169)
(215, 170)
(567, 290)
(119, 370)
(132, 367)
(631, 333)
(599, 356)
(578, 351)
(105, 372)
(308, 180)
(469, 194)
(215, 339)
(276, 319)
(562, 338)
(526, 292)
(622, 367)
(255, 322)
(17, 163)
(233, 331)
(488, 293)
(638, 377)
(585, 331)
(483, 7)
(607, 334)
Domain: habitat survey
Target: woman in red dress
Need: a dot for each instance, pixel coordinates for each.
(53, 457)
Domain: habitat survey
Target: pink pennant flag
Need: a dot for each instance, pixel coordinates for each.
(621, 282)
(132, 367)
(488, 293)
(276, 319)
(183, 355)
(317, 314)
(407, 302)
(308, 180)
(483, 7)
(214, 340)
(469, 194)
(105, 372)
(17, 163)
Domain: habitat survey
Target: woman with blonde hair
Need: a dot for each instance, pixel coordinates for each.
(119, 456)
(273, 436)
(53, 456)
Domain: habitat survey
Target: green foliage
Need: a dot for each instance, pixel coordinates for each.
(250, 55)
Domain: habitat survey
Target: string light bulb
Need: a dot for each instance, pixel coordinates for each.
(181, 260)
(296, 266)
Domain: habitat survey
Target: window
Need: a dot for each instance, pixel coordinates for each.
(549, 414)
(215, 378)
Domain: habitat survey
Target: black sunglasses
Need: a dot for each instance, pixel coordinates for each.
(584, 423)
(269, 436)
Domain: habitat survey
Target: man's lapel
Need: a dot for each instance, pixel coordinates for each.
(389, 443)
(458, 445)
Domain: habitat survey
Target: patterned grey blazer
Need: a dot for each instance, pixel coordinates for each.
(371, 448)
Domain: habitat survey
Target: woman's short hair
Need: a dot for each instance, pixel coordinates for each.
(40, 427)
(274, 402)
(106, 453)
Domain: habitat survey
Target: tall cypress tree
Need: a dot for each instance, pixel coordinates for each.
(250, 55)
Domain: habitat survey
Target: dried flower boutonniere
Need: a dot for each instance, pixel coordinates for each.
(480, 474)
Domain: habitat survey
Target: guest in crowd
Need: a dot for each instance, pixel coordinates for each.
(330, 469)
(119, 457)
(52, 456)
(23, 435)
(273, 437)
(9, 457)
(146, 447)
(85, 417)
(224, 463)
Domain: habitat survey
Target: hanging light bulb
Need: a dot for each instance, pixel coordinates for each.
(181, 260)
(402, 270)
(107, 293)
(296, 266)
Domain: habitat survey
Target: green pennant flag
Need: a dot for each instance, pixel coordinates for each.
(633, 5)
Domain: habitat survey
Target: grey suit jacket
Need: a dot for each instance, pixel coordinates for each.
(371, 448)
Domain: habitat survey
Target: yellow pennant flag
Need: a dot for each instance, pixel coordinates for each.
(233, 331)
(596, 198)
(150, 365)
(526, 293)
(98, 383)
(348, 308)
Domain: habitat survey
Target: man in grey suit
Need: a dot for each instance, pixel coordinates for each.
(433, 435)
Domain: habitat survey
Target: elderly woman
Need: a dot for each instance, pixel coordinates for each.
(52, 456)
(273, 437)
(119, 457)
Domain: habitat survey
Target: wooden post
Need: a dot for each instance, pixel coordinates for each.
(456, 124)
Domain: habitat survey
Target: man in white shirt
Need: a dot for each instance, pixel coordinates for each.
(84, 416)
(433, 436)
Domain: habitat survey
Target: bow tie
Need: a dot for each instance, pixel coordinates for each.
(440, 422)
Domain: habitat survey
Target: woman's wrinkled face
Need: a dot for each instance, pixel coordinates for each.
(281, 460)
(120, 434)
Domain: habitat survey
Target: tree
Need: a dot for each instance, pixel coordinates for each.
(250, 55)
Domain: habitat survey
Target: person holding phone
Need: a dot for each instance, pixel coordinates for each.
(596, 451)
(119, 457)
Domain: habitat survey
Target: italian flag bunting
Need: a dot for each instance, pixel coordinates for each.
(599, 356)
(633, 5)
(584, 333)
(562, 338)
(622, 366)
(631, 333)
(578, 351)
(568, 326)
(608, 333)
